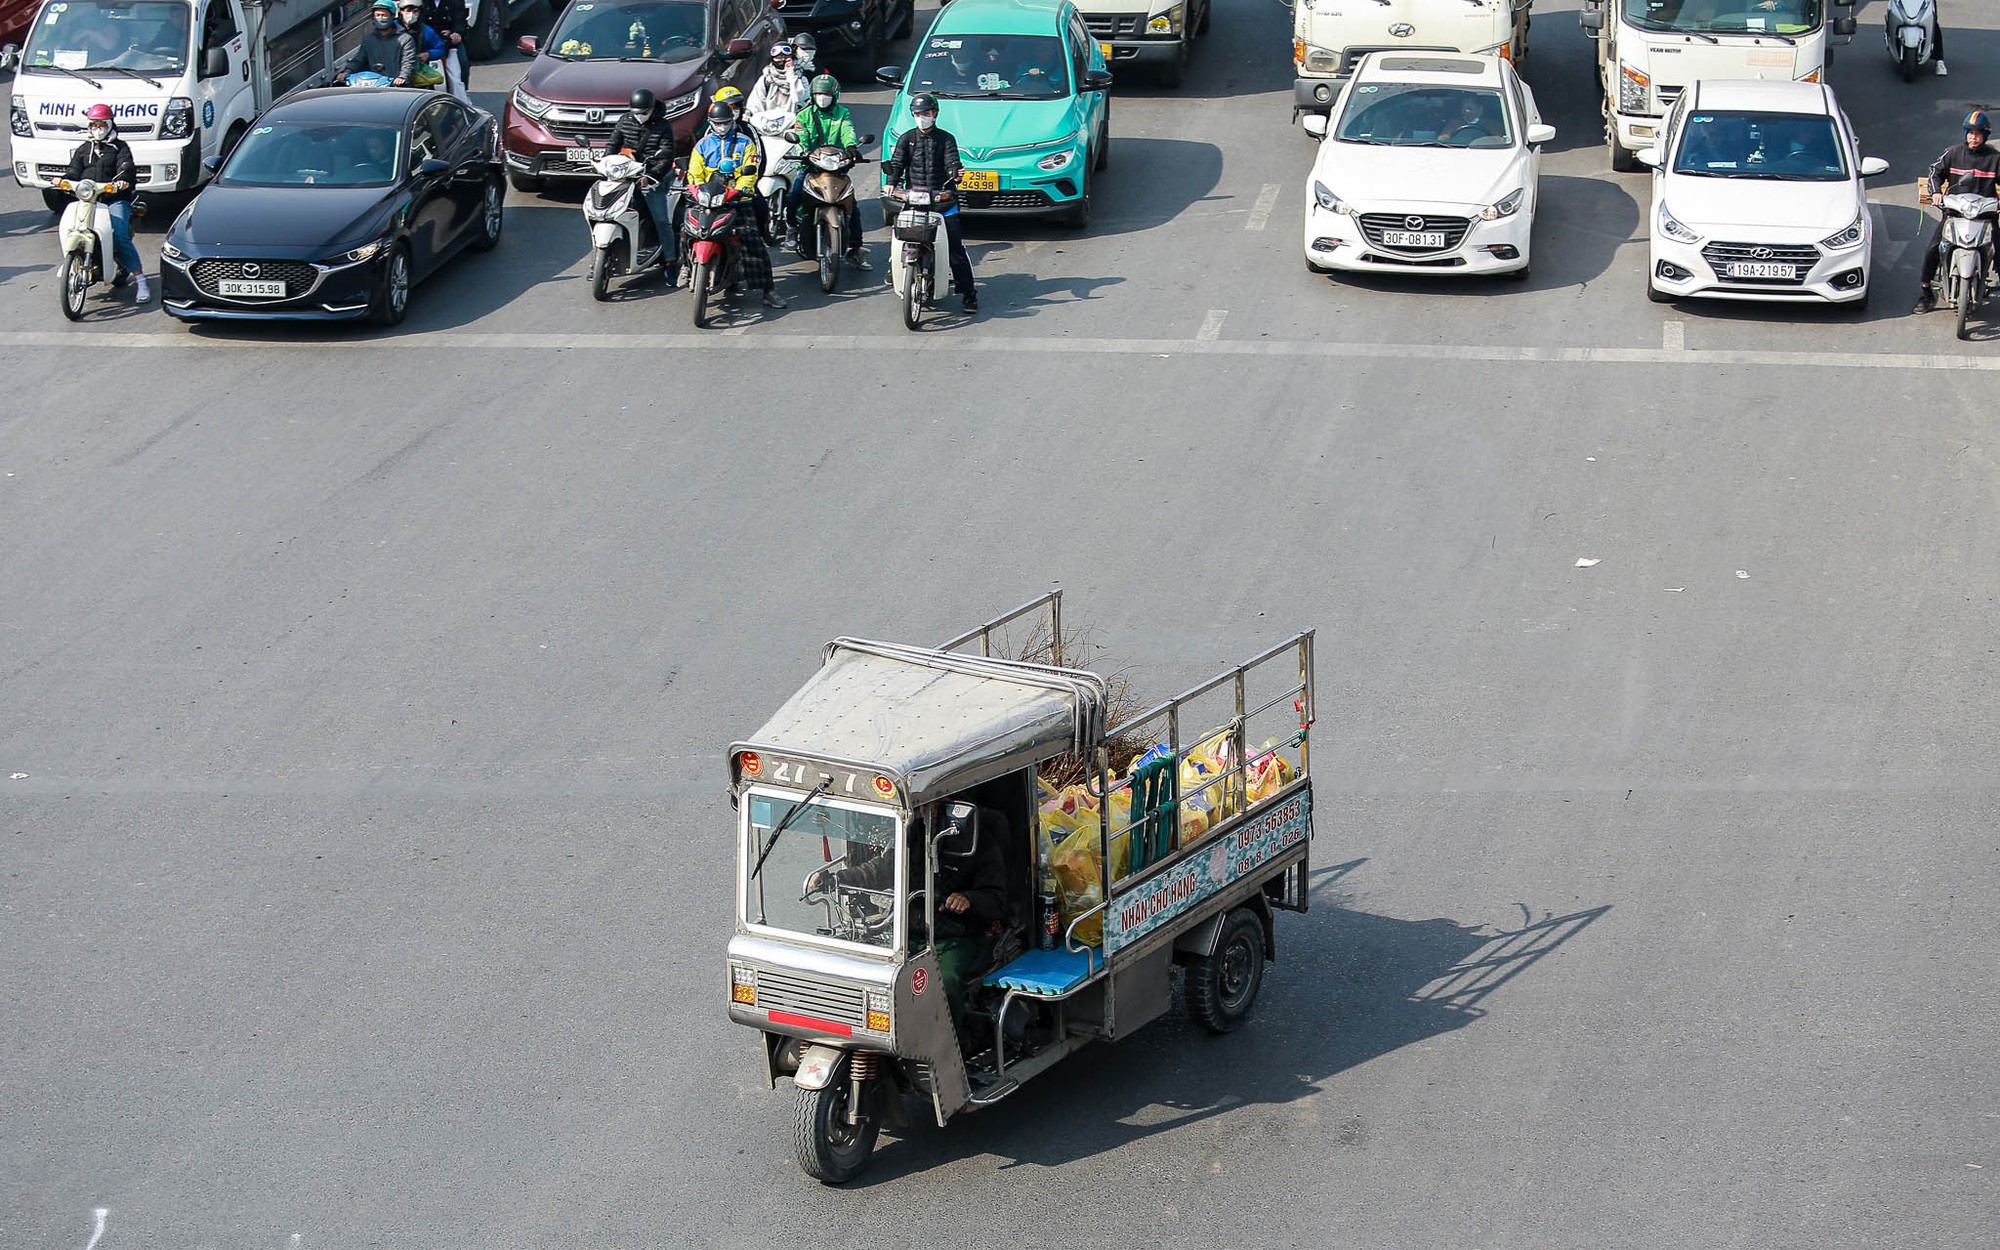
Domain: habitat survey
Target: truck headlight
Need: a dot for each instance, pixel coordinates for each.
(532, 105)
(743, 985)
(178, 123)
(1315, 60)
(1632, 87)
(1848, 237)
(1673, 229)
(1326, 199)
(878, 1011)
(18, 121)
(1504, 208)
(1168, 23)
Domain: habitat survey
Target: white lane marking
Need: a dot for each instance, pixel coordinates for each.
(100, 1213)
(1673, 336)
(1015, 345)
(1211, 325)
(1260, 212)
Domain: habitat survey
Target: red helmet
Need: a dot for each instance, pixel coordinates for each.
(98, 113)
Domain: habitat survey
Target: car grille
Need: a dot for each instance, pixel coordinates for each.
(557, 167)
(1115, 25)
(809, 996)
(1802, 257)
(976, 200)
(1373, 225)
(297, 275)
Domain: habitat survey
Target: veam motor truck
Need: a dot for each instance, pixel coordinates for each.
(1329, 37)
(183, 79)
(1648, 51)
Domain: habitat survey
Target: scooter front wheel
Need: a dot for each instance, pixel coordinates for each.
(698, 281)
(829, 253)
(1968, 289)
(831, 1150)
(600, 275)
(1909, 63)
(914, 285)
(75, 284)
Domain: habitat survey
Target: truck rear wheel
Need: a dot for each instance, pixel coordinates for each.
(831, 1150)
(1222, 987)
(489, 30)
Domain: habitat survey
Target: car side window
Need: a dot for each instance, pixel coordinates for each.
(427, 136)
(218, 25)
(450, 126)
(736, 19)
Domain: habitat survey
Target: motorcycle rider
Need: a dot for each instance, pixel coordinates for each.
(779, 92)
(645, 135)
(105, 158)
(825, 122)
(386, 49)
(431, 48)
(448, 18)
(727, 151)
(926, 157)
(1937, 37)
(1970, 168)
(805, 57)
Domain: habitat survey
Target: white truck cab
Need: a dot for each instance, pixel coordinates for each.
(1158, 34)
(183, 79)
(1329, 36)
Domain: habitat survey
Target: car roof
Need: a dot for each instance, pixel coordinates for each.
(383, 105)
(1754, 94)
(1442, 68)
(1000, 17)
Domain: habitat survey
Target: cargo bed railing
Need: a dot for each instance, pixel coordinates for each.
(1050, 603)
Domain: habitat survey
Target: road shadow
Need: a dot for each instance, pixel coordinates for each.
(1350, 986)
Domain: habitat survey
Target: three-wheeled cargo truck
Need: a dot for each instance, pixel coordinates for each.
(894, 766)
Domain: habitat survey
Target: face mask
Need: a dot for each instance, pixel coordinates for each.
(384, 23)
(926, 120)
(823, 101)
(411, 17)
(719, 129)
(100, 133)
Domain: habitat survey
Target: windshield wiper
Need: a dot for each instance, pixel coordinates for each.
(135, 73)
(64, 69)
(786, 823)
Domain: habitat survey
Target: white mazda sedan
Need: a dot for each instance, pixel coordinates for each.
(1757, 195)
(1427, 165)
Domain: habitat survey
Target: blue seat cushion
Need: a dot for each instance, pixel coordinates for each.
(1046, 972)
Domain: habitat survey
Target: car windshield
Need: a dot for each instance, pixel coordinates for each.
(595, 31)
(859, 842)
(82, 35)
(1725, 17)
(1792, 146)
(1424, 115)
(328, 154)
(1000, 67)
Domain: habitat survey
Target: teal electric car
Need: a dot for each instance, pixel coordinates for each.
(1023, 88)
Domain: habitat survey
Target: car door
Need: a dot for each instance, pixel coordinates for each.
(1084, 54)
(432, 204)
(459, 146)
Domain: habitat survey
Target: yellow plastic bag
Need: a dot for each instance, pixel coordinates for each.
(1080, 877)
(1269, 773)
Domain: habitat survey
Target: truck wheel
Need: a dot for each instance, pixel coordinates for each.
(1622, 162)
(57, 201)
(908, 26)
(1207, 6)
(489, 32)
(831, 1150)
(1222, 986)
(1173, 73)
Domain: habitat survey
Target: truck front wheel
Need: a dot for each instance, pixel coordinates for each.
(831, 1150)
(1622, 161)
(1221, 987)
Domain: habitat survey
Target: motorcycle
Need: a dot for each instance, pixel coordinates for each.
(781, 165)
(829, 200)
(1910, 29)
(714, 265)
(1967, 270)
(366, 78)
(624, 238)
(85, 235)
(913, 256)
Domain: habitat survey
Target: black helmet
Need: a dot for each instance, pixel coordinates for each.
(1977, 120)
(721, 112)
(643, 103)
(923, 102)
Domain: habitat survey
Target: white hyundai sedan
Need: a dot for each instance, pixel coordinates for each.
(1427, 166)
(1757, 195)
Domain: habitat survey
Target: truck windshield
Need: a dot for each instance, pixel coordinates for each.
(1795, 147)
(1000, 67)
(645, 30)
(1725, 17)
(856, 902)
(1424, 115)
(150, 36)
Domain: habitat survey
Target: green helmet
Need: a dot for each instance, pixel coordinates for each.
(827, 84)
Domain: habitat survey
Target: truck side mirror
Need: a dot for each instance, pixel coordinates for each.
(1845, 26)
(10, 56)
(959, 838)
(1592, 21)
(215, 63)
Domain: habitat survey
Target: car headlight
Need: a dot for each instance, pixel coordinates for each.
(170, 252)
(365, 252)
(1168, 23)
(532, 105)
(1505, 207)
(1673, 229)
(680, 103)
(1632, 87)
(1326, 199)
(1056, 160)
(1848, 237)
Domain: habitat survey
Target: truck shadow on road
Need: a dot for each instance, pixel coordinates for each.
(1351, 986)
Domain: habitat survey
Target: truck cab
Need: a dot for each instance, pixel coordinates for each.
(1158, 34)
(1330, 36)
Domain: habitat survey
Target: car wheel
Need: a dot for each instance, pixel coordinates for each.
(1655, 294)
(392, 297)
(1518, 275)
(1077, 215)
(1103, 147)
(527, 184)
(492, 209)
(489, 32)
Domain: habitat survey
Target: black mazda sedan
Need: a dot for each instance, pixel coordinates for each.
(334, 205)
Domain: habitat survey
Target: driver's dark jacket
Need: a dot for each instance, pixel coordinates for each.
(1970, 172)
(925, 160)
(109, 161)
(652, 142)
(981, 877)
(391, 53)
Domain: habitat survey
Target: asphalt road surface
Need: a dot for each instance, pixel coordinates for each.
(363, 699)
